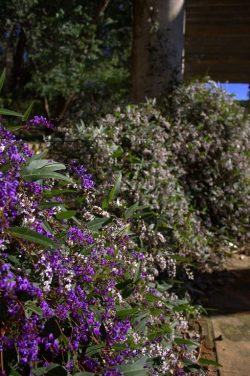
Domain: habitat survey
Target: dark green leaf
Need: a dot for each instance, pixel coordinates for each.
(4, 111)
(130, 212)
(13, 128)
(184, 341)
(57, 192)
(32, 236)
(27, 112)
(134, 369)
(31, 307)
(67, 214)
(121, 314)
(97, 223)
(40, 174)
(48, 205)
(13, 372)
(95, 349)
(208, 362)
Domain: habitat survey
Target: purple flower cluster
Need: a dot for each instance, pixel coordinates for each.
(58, 304)
(39, 121)
(79, 236)
(80, 172)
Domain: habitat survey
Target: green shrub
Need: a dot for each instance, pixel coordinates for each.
(186, 160)
(134, 141)
(210, 137)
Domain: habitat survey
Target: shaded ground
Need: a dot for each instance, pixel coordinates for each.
(226, 295)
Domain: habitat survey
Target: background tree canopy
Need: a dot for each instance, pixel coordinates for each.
(62, 53)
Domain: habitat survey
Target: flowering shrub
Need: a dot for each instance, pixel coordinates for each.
(133, 140)
(187, 160)
(74, 294)
(210, 137)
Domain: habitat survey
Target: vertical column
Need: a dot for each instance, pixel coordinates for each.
(158, 45)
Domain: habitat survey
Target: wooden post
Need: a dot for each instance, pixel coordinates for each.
(158, 45)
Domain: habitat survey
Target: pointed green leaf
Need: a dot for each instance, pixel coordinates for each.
(38, 175)
(97, 223)
(95, 349)
(67, 214)
(32, 236)
(208, 362)
(113, 193)
(38, 155)
(13, 128)
(4, 111)
(27, 112)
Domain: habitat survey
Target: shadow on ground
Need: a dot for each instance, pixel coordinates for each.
(224, 292)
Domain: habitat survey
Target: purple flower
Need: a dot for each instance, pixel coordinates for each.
(79, 236)
(39, 121)
(113, 372)
(80, 172)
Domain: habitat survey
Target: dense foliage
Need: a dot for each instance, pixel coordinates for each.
(210, 137)
(133, 141)
(65, 55)
(188, 161)
(75, 295)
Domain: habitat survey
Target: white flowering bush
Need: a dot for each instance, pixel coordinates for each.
(185, 163)
(133, 140)
(210, 137)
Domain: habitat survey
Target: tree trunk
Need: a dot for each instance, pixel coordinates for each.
(158, 45)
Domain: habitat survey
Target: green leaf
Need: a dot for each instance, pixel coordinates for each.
(48, 205)
(121, 314)
(14, 260)
(134, 369)
(130, 212)
(164, 329)
(67, 214)
(113, 193)
(13, 128)
(32, 236)
(27, 112)
(33, 176)
(39, 371)
(39, 164)
(137, 275)
(39, 169)
(84, 374)
(97, 223)
(208, 362)
(184, 341)
(95, 349)
(152, 298)
(4, 111)
(57, 192)
(31, 307)
(38, 155)
(64, 340)
(2, 78)
(13, 372)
